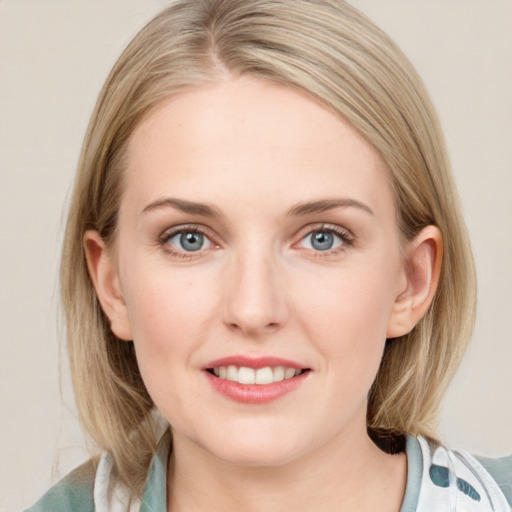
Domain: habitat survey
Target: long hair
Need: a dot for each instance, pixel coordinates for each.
(335, 54)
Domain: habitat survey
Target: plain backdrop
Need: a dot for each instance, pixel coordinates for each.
(54, 56)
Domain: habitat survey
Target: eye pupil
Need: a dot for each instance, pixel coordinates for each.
(321, 240)
(191, 241)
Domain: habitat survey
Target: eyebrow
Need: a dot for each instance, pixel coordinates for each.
(325, 205)
(190, 207)
(300, 209)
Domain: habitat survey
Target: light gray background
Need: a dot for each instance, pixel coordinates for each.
(54, 56)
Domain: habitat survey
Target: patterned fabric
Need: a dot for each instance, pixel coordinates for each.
(438, 480)
(456, 482)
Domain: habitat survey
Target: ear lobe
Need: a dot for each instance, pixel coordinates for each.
(104, 277)
(422, 269)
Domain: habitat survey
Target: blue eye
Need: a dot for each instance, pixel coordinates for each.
(322, 240)
(189, 241)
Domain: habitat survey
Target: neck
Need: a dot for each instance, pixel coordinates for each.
(338, 476)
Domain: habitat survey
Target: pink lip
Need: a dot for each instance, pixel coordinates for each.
(254, 393)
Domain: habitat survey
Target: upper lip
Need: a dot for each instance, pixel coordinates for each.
(254, 362)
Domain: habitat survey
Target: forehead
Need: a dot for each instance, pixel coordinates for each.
(254, 138)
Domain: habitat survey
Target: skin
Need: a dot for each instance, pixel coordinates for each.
(253, 151)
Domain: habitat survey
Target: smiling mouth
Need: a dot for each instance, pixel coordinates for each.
(246, 375)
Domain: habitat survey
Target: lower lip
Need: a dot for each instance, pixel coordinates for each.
(255, 393)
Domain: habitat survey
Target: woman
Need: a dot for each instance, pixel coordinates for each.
(264, 249)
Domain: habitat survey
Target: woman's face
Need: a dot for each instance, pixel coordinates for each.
(257, 240)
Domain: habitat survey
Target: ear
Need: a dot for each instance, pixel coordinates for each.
(422, 268)
(104, 277)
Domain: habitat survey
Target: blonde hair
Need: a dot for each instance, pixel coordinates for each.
(334, 53)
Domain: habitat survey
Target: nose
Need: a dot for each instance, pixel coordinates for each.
(254, 295)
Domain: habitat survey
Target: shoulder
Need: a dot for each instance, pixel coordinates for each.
(453, 476)
(94, 486)
(74, 493)
(501, 471)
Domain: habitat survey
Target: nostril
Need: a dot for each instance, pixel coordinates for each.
(253, 324)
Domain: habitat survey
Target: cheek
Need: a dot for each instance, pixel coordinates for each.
(347, 314)
(169, 312)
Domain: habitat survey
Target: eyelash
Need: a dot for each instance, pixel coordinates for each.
(168, 235)
(347, 239)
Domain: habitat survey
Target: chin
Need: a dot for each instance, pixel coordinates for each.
(257, 450)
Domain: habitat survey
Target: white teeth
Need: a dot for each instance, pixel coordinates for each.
(232, 373)
(264, 376)
(245, 375)
(278, 373)
(289, 373)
